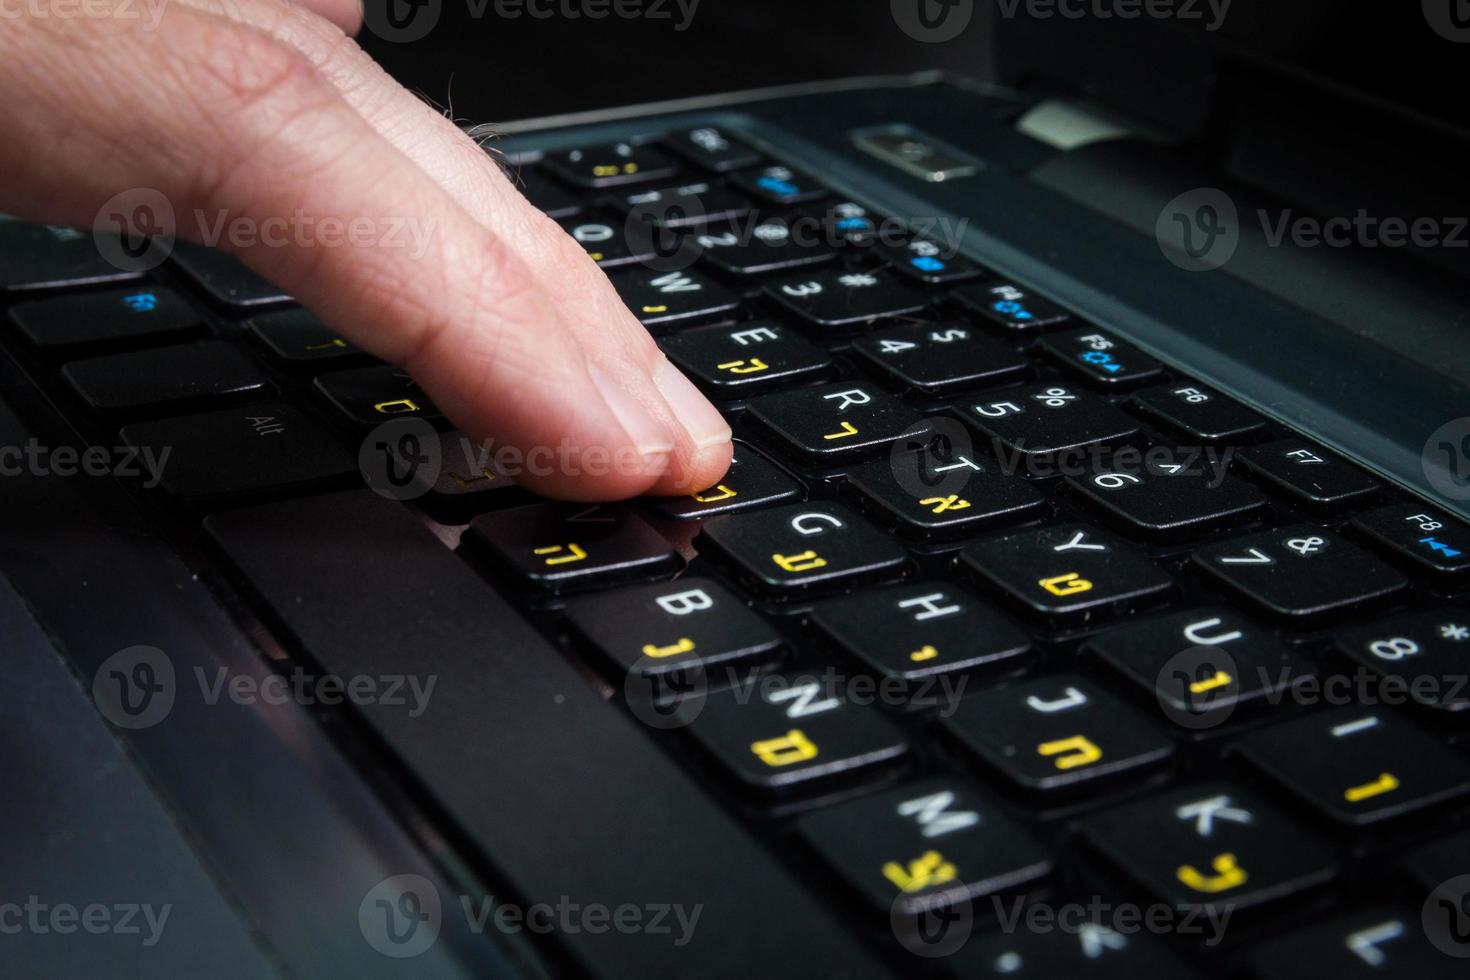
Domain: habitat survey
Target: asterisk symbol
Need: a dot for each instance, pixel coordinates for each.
(1454, 631)
(858, 279)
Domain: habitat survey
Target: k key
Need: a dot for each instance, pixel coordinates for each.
(800, 547)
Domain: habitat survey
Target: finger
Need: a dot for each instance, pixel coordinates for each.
(346, 14)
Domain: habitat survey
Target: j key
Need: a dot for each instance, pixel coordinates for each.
(1007, 305)
(1300, 572)
(1203, 664)
(713, 149)
(747, 358)
(605, 237)
(668, 298)
(1419, 655)
(836, 422)
(35, 257)
(369, 396)
(1099, 358)
(685, 205)
(612, 165)
(919, 631)
(1098, 949)
(1357, 765)
(785, 730)
(544, 193)
(753, 247)
(925, 845)
(116, 318)
(1042, 421)
(1211, 846)
(1056, 733)
(1173, 494)
(928, 261)
(1070, 572)
(1309, 473)
(803, 547)
(941, 495)
(846, 299)
(1427, 539)
(940, 358)
(779, 185)
(201, 372)
(237, 452)
(299, 339)
(1375, 944)
(224, 280)
(1195, 412)
(565, 546)
(671, 626)
(752, 481)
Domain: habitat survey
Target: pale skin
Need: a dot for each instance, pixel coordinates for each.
(262, 108)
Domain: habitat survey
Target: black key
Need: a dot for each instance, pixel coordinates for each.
(611, 165)
(943, 494)
(1357, 765)
(1374, 944)
(372, 395)
(747, 358)
(672, 626)
(1100, 358)
(753, 481)
(780, 731)
(36, 257)
(1199, 413)
(1308, 473)
(1300, 572)
(779, 185)
(224, 280)
(1429, 866)
(1213, 846)
(453, 477)
(1100, 947)
(669, 298)
(509, 710)
(1167, 493)
(1418, 656)
(757, 246)
(544, 193)
(201, 372)
(685, 205)
(940, 358)
(846, 223)
(1056, 733)
(299, 339)
(713, 149)
(836, 422)
(916, 632)
(1008, 305)
(924, 846)
(605, 237)
(1040, 422)
(565, 546)
(116, 318)
(1426, 538)
(928, 261)
(1071, 571)
(803, 547)
(263, 447)
(847, 299)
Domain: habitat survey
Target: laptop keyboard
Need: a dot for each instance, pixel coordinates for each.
(992, 607)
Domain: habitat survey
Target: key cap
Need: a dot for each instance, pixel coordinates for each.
(836, 422)
(753, 481)
(1041, 422)
(943, 495)
(1425, 538)
(1056, 733)
(544, 193)
(846, 299)
(1167, 493)
(37, 257)
(564, 546)
(510, 711)
(605, 237)
(916, 632)
(263, 447)
(1429, 866)
(928, 261)
(803, 547)
(713, 149)
(373, 395)
(846, 223)
(671, 298)
(1071, 572)
(1357, 765)
(299, 340)
(224, 281)
(111, 319)
(782, 731)
(1191, 410)
(924, 846)
(778, 185)
(1301, 572)
(1419, 657)
(454, 479)
(940, 358)
(188, 374)
(1382, 943)
(754, 247)
(611, 165)
(1212, 846)
(672, 626)
(1308, 473)
(684, 205)
(1009, 306)
(1096, 948)
(746, 358)
(1100, 358)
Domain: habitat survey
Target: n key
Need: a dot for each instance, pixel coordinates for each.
(564, 546)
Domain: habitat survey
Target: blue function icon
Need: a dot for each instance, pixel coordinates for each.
(141, 302)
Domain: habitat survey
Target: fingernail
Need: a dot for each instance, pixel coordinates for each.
(645, 431)
(705, 425)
